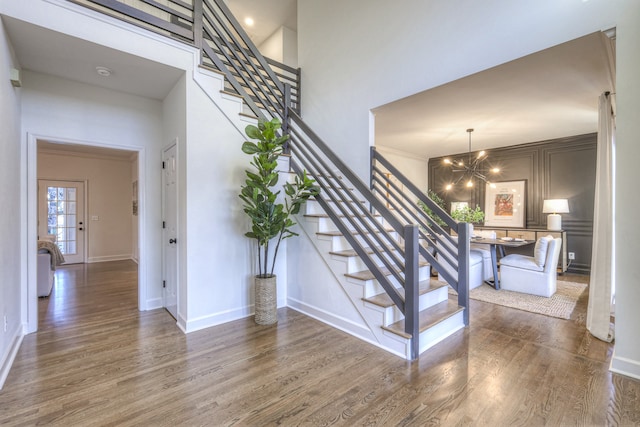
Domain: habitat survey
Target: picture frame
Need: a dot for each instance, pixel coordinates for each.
(456, 206)
(505, 204)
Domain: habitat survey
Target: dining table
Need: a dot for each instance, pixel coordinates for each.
(499, 244)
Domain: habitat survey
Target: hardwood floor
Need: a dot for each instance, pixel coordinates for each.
(97, 360)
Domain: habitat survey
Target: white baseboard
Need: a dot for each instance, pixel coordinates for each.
(215, 319)
(153, 304)
(108, 258)
(345, 325)
(9, 357)
(623, 366)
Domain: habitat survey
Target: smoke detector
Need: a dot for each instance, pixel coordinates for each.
(104, 71)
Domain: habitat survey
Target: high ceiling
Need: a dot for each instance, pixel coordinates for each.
(268, 16)
(546, 95)
(48, 52)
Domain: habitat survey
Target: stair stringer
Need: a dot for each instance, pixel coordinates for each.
(373, 316)
(232, 107)
(313, 251)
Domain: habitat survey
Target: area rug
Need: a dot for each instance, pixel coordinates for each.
(560, 305)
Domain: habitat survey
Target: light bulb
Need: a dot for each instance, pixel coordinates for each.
(460, 163)
(481, 154)
(469, 183)
(495, 170)
(449, 187)
(447, 161)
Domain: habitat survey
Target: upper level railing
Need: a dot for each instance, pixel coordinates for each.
(210, 26)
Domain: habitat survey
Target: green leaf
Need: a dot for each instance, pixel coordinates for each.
(253, 132)
(249, 147)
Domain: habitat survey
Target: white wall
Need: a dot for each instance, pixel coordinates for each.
(69, 111)
(109, 196)
(219, 259)
(282, 46)
(422, 44)
(626, 358)
(414, 168)
(11, 249)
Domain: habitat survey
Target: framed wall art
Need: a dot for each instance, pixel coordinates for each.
(505, 204)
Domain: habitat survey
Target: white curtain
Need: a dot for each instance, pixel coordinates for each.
(601, 285)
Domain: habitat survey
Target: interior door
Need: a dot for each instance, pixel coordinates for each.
(61, 213)
(169, 231)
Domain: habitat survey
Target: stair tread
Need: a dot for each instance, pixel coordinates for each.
(384, 300)
(324, 215)
(368, 275)
(339, 233)
(428, 317)
(347, 253)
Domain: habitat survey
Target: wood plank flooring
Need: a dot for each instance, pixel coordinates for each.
(98, 361)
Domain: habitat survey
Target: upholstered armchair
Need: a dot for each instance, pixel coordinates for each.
(534, 275)
(475, 265)
(483, 250)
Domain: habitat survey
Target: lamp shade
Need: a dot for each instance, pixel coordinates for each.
(555, 206)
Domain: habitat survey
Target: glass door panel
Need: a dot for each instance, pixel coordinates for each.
(62, 208)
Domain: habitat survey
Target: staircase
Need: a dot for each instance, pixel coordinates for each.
(378, 244)
(439, 316)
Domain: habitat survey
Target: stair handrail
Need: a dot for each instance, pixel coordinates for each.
(374, 240)
(219, 21)
(404, 202)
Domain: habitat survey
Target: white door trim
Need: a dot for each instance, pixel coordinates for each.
(29, 296)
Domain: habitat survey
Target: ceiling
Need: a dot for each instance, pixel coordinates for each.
(268, 16)
(85, 150)
(45, 51)
(546, 95)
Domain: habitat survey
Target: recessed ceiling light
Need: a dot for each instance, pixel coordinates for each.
(104, 71)
(249, 21)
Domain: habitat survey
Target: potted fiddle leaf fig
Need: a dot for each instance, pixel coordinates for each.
(271, 219)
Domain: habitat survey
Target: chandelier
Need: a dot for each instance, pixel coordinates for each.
(471, 169)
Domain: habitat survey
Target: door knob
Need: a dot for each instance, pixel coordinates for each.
(173, 241)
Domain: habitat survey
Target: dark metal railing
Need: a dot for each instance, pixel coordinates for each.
(210, 26)
(172, 18)
(437, 245)
(388, 246)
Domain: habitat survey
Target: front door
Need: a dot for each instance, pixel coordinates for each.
(169, 231)
(61, 214)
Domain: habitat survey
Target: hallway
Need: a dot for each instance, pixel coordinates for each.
(97, 360)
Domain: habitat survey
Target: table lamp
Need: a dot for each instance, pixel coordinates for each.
(554, 207)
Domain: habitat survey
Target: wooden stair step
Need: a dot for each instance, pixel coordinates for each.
(368, 275)
(336, 233)
(324, 215)
(428, 318)
(348, 253)
(384, 300)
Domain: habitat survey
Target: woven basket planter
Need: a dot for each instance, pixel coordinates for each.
(266, 305)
